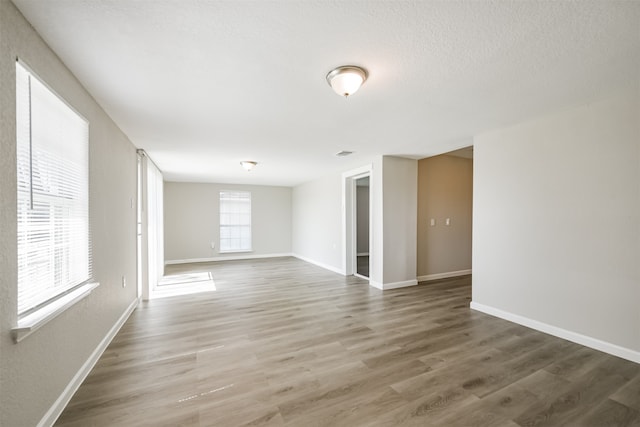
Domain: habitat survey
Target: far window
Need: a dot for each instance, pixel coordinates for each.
(53, 195)
(235, 221)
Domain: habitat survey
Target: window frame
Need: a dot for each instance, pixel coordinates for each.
(39, 311)
(223, 248)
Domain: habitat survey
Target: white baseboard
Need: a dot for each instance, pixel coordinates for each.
(61, 402)
(226, 258)
(443, 275)
(393, 285)
(377, 285)
(585, 340)
(320, 264)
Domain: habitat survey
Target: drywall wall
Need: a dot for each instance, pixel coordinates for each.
(317, 222)
(318, 210)
(362, 215)
(399, 218)
(445, 190)
(556, 224)
(35, 372)
(192, 220)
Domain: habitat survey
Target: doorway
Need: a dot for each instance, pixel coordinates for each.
(445, 215)
(361, 177)
(362, 226)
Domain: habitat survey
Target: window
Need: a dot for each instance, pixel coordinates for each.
(235, 221)
(53, 195)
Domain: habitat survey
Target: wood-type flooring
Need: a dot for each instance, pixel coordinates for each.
(283, 342)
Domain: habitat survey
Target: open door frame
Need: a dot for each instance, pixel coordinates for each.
(349, 220)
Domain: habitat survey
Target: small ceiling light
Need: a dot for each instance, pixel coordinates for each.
(248, 165)
(346, 80)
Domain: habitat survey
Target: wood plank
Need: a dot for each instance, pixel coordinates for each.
(282, 342)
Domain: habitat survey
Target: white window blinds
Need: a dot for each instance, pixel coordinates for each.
(235, 221)
(53, 198)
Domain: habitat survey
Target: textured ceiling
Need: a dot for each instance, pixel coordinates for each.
(202, 85)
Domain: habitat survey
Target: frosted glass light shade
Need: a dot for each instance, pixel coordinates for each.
(248, 165)
(346, 80)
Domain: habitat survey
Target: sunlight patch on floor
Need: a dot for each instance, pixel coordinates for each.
(184, 284)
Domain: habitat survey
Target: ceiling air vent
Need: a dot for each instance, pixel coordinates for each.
(343, 153)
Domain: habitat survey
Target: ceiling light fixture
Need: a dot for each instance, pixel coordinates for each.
(248, 165)
(346, 80)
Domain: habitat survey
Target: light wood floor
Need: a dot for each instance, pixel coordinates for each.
(282, 342)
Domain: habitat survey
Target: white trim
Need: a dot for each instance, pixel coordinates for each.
(348, 220)
(444, 275)
(225, 258)
(359, 172)
(61, 402)
(320, 264)
(375, 284)
(34, 321)
(393, 285)
(616, 350)
(50, 89)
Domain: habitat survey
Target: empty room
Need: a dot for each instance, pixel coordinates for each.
(319, 213)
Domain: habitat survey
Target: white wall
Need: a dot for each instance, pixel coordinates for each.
(192, 221)
(376, 240)
(317, 222)
(400, 198)
(318, 228)
(556, 232)
(36, 371)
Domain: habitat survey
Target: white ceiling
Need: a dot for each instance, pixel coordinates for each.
(202, 85)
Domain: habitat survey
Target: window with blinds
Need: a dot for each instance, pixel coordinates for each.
(54, 253)
(235, 221)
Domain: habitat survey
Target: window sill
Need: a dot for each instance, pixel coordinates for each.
(34, 321)
(239, 251)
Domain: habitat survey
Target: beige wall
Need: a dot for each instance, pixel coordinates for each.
(35, 372)
(192, 215)
(445, 190)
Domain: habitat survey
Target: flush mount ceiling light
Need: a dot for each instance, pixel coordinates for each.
(248, 165)
(346, 80)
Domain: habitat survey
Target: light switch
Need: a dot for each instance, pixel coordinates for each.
(432, 222)
(447, 221)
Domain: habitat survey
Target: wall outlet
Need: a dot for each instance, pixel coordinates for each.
(213, 245)
(447, 221)
(124, 282)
